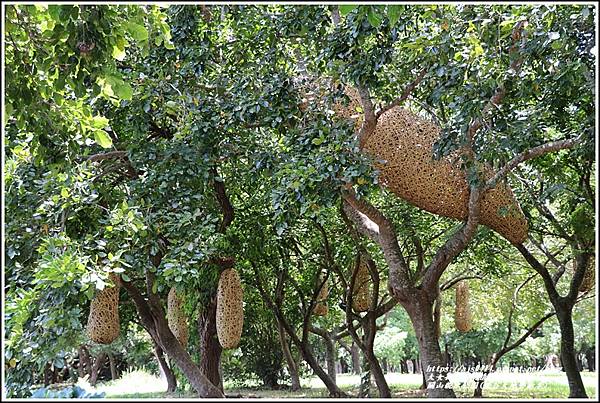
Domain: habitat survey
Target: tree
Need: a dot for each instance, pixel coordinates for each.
(135, 133)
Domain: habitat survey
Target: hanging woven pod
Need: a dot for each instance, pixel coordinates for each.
(402, 145)
(321, 308)
(103, 321)
(361, 292)
(589, 278)
(176, 317)
(462, 312)
(230, 309)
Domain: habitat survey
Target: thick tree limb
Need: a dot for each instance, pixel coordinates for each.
(224, 202)
(541, 270)
(455, 245)
(399, 272)
(370, 121)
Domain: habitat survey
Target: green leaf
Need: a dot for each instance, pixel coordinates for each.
(118, 53)
(64, 192)
(125, 277)
(123, 90)
(8, 110)
(347, 9)
(374, 18)
(393, 13)
(102, 138)
(154, 287)
(137, 31)
(99, 122)
(54, 12)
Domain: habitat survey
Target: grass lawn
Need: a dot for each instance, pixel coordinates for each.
(140, 384)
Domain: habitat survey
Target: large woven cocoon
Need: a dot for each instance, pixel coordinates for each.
(230, 310)
(321, 308)
(176, 317)
(103, 320)
(589, 278)
(404, 142)
(361, 292)
(462, 312)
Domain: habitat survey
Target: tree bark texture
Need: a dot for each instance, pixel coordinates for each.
(210, 348)
(289, 359)
(165, 370)
(567, 353)
(420, 311)
(98, 363)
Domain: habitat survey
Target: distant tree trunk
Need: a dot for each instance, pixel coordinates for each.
(98, 363)
(47, 374)
(210, 348)
(289, 359)
(165, 370)
(114, 374)
(590, 358)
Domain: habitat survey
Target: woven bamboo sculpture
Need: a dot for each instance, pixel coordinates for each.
(103, 321)
(361, 292)
(176, 317)
(402, 147)
(230, 309)
(321, 308)
(462, 312)
(589, 278)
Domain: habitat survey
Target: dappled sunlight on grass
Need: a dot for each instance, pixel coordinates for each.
(138, 383)
(141, 384)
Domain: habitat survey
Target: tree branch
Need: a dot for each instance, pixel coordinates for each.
(223, 199)
(405, 94)
(455, 245)
(541, 270)
(530, 154)
(399, 273)
(370, 121)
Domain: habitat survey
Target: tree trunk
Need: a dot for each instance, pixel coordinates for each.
(47, 374)
(365, 380)
(289, 359)
(420, 311)
(354, 352)
(377, 372)
(98, 362)
(165, 370)
(567, 351)
(330, 358)
(84, 367)
(591, 359)
(309, 357)
(154, 320)
(210, 348)
(113, 368)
